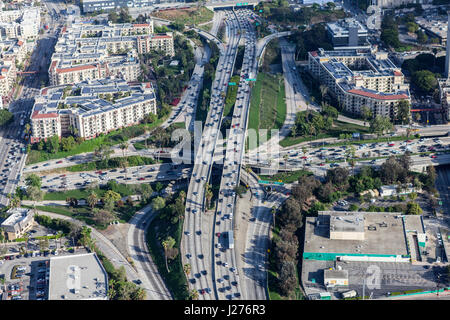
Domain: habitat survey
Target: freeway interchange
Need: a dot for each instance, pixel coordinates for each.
(217, 270)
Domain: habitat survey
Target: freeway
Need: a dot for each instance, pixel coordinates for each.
(224, 259)
(253, 267)
(194, 252)
(187, 107)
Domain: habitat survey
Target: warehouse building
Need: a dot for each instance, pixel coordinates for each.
(340, 248)
(361, 236)
(77, 277)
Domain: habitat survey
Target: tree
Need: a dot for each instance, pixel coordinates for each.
(145, 190)
(208, 195)
(417, 117)
(187, 269)
(158, 203)
(412, 27)
(412, 196)
(14, 201)
(285, 158)
(43, 244)
(413, 208)
(291, 216)
(287, 279)
(425, 80)
(326, 192)
(338, 176)
(52, 144)
(68, 143)
(103, 217)
(35, 193)
(33, 180)
(193, 295)
(366, 113)
(168, 244)
(103, 152)
(124, 146)
(422, 37)
(380, 124)
(403, 111)
(92, 199)
(86, 239)
(111, 196)
(6, 117)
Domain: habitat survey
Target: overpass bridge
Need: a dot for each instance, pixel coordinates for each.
(212, 5)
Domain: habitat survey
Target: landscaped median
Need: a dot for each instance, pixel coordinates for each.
(193, 15)
(286, 177)
(335, 131)
(267, 106)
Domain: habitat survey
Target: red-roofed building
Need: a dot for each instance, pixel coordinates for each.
(360, 78)
(378, 96)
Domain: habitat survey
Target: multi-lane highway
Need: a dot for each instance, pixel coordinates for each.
(224, 259)
(196, 244)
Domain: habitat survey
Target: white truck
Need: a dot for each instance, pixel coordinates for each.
(230, 237)
(349, 294)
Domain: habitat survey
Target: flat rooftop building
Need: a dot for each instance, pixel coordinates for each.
(19, 221)
(435, 27)
(357, 236)
(107, 5)
(347, 32)
(91, 107)
(341, 249)
(87, 51)
(77, 277)
(360, 77)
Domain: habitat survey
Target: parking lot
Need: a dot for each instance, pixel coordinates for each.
(27, 278)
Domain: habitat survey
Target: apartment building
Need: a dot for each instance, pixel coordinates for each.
(13, 50)
(360, 77)
(23, 23)
(90, 108)
(88, 52)
(107, 5)
(18, 222)
(8, 74)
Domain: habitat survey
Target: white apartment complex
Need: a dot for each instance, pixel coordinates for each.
(24, 23)
(88, 52)
(360, 77)
(7, 77)
(90, 108)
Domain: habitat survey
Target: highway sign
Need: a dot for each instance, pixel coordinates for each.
(271, 182)
(231, 83)
(250, 79)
